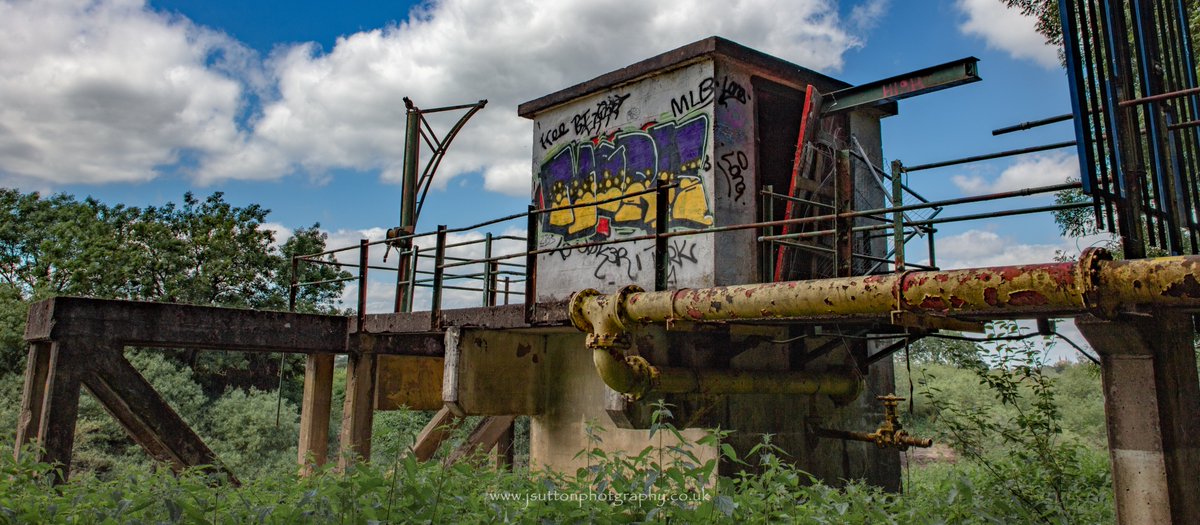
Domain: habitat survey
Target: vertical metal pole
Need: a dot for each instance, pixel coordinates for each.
(439, 271)
(843, 201)
(489, 298)
(412, 152)
(293, 289)
(412, 278)
(932, 259)
(837, 232)
(408, 202)
(531, 243)
(403, 288)
(767, 251)
(493, 282)
(1124, 120)
(507, 282)
(898, 216)
(363, 251)
(662, 264)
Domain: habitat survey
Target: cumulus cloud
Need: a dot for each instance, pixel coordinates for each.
(1030, 172)
(381, 284)
(1007, 30)
(977, 248)
(867, 15)
(110, 90)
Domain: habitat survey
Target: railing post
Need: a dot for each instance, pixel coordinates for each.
(364, 248)
(843, 201)
(898, 216)
(507, 282)
(493, 282)
(932, 259)
(489, 298)
(293, 289)
(403, 269)
(766, 249)
(662, 264)
(439, 260)
(531, 243)
(412, 278)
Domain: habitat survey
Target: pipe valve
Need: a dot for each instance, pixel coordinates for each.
(890, 434)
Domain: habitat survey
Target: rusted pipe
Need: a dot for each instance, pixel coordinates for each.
(604, 321)
(843, 386)
(1096, 285)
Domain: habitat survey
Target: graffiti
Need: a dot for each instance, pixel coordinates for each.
(552, 135)
(730, 89)
(706, 93)
(679, 253)
(626, 162)
(903, 86)
(617, 263)
(694, 98)
(593, 121)
(733, 165)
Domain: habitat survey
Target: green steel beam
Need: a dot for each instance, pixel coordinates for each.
(888, 90)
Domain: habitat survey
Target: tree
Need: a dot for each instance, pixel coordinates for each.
(201, 252)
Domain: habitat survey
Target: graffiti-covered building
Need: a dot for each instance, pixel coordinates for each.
(719, 123)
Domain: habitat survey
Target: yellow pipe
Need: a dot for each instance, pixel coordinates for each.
(1096, 285)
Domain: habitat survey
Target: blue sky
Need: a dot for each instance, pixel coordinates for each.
(296, 104)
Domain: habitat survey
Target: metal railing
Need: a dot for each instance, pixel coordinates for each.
(497, 276)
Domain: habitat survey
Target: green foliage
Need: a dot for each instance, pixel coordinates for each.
(200, 251)
(1016, 436)
(1045, 12)
(675, 487)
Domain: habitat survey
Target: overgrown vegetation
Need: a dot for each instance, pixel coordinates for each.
(671, 485)
(1027, 435)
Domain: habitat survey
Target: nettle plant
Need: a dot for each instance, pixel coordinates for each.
(1017, 436)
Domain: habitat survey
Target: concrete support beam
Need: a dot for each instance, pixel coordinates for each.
(146, 417)
(1152, 407)
(486, 435)
(33, 396)
(435, 432)
(50, 404)
(492, 373)
(358, 411)
(314, 412)
(135, 323)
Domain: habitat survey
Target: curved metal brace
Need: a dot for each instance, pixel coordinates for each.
(439, 152)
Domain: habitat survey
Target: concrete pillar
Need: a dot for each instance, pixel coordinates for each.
(1152, 408)
(358, 410)
(314, 411)
(50, 403)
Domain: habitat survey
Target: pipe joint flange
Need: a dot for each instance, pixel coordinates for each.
(1088, 280)
(577, 309)
(602, 317)
(646, 374)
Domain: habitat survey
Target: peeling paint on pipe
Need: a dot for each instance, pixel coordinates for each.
(1096, 285)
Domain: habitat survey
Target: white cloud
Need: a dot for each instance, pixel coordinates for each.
(381, 284)
(108, 90)
(1007, 30)
(1032, 171)
(279, 232)
(867, 15)
(980, 248)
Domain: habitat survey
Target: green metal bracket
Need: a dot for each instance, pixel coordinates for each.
(888, 90)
